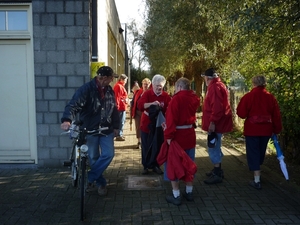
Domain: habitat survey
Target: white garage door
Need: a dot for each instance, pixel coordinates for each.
(17, 120)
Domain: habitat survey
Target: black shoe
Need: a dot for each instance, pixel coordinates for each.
(214, 179)
(210, 173)
(255, 185)
(120, 138)
(188, 196)
(145, 171)
(157, 170)
(173, 200)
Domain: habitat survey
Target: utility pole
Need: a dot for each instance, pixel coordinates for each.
(127, 64)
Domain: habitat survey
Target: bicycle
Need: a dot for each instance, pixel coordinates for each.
(79, 162)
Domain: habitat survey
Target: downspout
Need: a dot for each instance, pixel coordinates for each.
(94, 31)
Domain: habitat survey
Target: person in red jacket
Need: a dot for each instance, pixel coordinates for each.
(136, 114)
(122, 101)
(217, 117)
(180, 127)
(262, 117)
(155, 96)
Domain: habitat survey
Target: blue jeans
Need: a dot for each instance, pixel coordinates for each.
(122, 117)
(100, 159)
(215, 154)
(191, 154)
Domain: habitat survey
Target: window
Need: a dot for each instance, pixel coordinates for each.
(12, 20)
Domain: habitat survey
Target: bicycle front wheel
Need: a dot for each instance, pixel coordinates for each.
(82, 188)
(74, 170)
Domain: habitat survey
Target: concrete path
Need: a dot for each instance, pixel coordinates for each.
(40, 196)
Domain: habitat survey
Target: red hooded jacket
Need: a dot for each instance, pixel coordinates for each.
(216, 107)
(261, 111)
(182, 111)
(121, 96)
(137, 95)
(150, 96)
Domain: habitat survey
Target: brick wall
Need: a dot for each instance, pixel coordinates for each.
(61, 35)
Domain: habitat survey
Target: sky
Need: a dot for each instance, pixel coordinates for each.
(130, 9)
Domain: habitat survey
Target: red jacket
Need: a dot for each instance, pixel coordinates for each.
(121, 96)
(182, 111)
(216, 107)
(261, 111)
(150, 96)
(137, 94)
(180, 165)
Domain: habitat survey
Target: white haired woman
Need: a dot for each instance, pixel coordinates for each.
(154, 97)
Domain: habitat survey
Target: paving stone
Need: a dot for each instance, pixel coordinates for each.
(45, 196)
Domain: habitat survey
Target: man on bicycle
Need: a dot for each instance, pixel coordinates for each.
(96, 104)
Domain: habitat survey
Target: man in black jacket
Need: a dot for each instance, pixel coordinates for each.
(95, 102)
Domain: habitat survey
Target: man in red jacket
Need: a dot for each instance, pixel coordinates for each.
(217, 117)
(122, 101)
(262, 117)
(180, 121)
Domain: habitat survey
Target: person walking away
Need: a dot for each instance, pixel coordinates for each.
(96, 105)
(262, 117)
(217, 117)
(180, 127)
(135, 112)
(122, 102)
(155, 97)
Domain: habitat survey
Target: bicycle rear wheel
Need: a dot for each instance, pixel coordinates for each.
(82, 188)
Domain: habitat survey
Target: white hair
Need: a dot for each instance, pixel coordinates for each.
(158, 79)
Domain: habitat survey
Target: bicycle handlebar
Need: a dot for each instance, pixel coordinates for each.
(96, 131)
(93, 132)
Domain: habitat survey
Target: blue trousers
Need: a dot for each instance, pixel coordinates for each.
(256, 147)
(122, 117)
(100, 158)
(216, 154)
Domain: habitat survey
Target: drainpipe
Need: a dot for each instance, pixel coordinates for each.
(94, 9)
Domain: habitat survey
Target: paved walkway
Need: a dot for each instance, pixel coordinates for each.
(45, 195)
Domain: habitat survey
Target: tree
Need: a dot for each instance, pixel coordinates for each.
(248, 37)
(134, 41)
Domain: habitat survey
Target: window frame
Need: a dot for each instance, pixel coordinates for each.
(18, 34)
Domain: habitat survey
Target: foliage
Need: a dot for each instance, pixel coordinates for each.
(270, 37)
(237, 37)
(134, 40)
(137, 74)
(186, 37)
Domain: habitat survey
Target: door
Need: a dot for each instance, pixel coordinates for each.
(17, 101)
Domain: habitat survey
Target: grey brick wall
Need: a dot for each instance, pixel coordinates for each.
(61, 37)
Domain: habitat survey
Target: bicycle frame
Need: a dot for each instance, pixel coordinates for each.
(79, 160)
